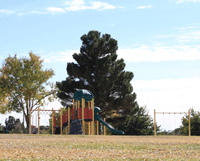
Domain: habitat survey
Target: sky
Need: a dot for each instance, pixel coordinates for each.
(158, 40)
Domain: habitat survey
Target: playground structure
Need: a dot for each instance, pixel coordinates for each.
(75, 119)
(169, 114)
(83, 112)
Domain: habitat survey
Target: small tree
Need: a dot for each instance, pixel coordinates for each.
(23, 85)
(18, 126)
(11, 123)
(14, 125)
(194, 123)
(2, 129)
(136, 123)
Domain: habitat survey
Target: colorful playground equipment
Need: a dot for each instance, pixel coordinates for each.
(83, 112)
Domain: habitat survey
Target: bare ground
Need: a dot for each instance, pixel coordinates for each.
(66, 147)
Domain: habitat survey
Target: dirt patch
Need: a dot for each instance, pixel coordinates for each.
(70, 147)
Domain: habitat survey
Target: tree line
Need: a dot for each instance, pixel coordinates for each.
(24, 84)
(15, 126)
(12, 125)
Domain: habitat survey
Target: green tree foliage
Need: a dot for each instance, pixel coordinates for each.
(14, 125)
(194, 123)
(11, 123)
(23, 85)
(140, 123)
(137, 123)
(2, 129)
(98, 70)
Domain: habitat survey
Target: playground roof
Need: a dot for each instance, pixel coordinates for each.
(83, 93)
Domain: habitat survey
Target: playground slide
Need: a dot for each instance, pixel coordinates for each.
(97, 117)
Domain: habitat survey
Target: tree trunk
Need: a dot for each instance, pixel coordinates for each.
(27, 123)
(23, 122)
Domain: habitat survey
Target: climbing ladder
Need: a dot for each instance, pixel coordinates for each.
(76, 127)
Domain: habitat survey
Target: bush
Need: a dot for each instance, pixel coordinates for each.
(2, 129)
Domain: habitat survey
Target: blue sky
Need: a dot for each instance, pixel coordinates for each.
(159, 41)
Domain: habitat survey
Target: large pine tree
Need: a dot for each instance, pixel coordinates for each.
(98, 70)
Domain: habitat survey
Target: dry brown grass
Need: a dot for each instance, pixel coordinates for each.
(56, 147)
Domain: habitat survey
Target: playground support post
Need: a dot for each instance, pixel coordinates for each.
(92, 105)
(73, 110)
(189, 122)
(83, 122)
(154, 122)
(38, 120)
(52, 122)
(89, 128)
(61, 121)
(78, 108)
(68, 120)
(29, 121)
(104, 127)
(97, 127)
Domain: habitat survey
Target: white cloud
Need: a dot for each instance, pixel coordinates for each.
(6, 11)
(140, 54)
(144, 7)
(185, 34)
(166, 84)
(181, 1)
(54, 9)
(193, 24)
(73, 5)
(21, 14)
(101, 6)
(121, 7)
(49, 10)
(189, 36)
(168, 95)
(76, 5)
(61, 56)
(37, 12)
(160, 53)
(185, 28)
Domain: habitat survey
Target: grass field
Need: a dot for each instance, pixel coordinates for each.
(66, 147)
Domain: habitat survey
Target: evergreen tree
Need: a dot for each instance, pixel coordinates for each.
(2, 129)
(98, 70)
(140, 123)
(194, 123)
(14, 125)
(11, 123)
